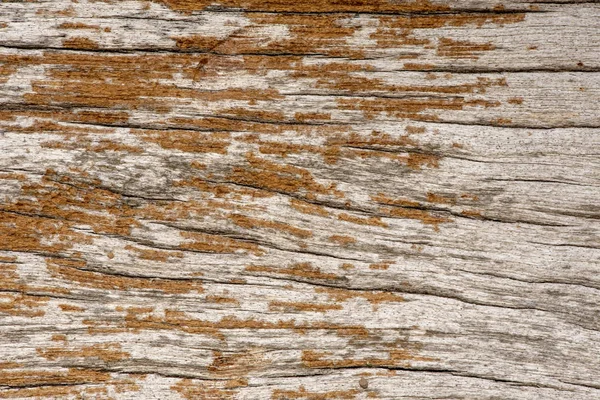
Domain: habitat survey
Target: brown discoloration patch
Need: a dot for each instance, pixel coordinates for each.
(396, 358)
(22, 305)
(78, 25)
(314, 116)
(302, 393)
(222, 300)
(59, 338)
(235, 365)
(472, 214)
(408, 209)
(191, 390)
(262, 173)
(155, 255)
(374, 221)
(462, 49)
(440, 199)
(342, 240)
(300, 270)
(380, 266)
(70, 308)
(70, 271)
(373, 297)
(290, 306)
(197, 42)
(412, 130)
(39, 378)
(471, 197)
(80, 43)
(106, 352)
(417, 6)
(308, 208)
(255, 223)
(217, 244)
(501, 121)
(173, 320)
(515, 100)
(188, 141)
(419, 109)
(64, 383)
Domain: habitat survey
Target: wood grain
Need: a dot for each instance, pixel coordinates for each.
(252, 199)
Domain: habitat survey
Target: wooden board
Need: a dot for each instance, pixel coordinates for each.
(275, 199)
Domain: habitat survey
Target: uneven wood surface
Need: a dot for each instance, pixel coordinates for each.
(276, 199)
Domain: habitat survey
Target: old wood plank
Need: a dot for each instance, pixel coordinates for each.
(299, 200)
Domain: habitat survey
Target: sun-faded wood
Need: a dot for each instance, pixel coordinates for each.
(299, 200)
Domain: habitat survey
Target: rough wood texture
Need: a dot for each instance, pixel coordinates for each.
(286, 199)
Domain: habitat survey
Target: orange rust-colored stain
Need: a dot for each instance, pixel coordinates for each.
(411, 66)
(300, 270)
(501, 121)
(85, 144)
(265, 174)
(174, 320)
(416, 6)
(191, 390)
(126, 81)
(59, 338)
(381, 266)
(70, 308)
(439, 199)
(78, 25)
(18, 304)
(197, 42)
(411, 130)
(408, 209)
(64, 383)
(471, 197)
(420, 109)
(384, 199)
(515, 100)
(462, 49)
(396, 358)
(374, 221)
(472, 214)
(39, 378)
(314, 116)
(106, 352)
(308, 208)
(254, 223)
(188, 141)
(373, 297)
(80, 43)
(222, 300)
(155, 255)
(302, 393)
(342, 240)
(290, 306)
(235, 365)
(204, 242)
(70, 271)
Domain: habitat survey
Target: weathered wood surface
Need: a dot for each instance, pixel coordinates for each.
(276, 199)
